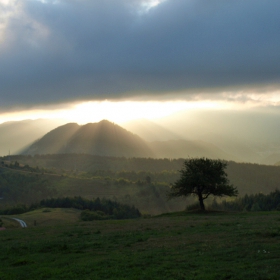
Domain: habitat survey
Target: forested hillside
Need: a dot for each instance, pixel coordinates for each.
(142, 182)
(253, 202)
(249, 178)
(22, 184)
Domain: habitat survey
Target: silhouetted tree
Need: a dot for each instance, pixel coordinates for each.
(202, 177)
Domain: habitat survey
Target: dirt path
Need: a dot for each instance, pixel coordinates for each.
(22, 223)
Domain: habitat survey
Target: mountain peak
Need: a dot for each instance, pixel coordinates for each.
(103, 138)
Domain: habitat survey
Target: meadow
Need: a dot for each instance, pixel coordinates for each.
(182, 245)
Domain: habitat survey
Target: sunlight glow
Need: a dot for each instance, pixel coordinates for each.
(153, 3)
(124, 111)
(5, 2)
(118, 112)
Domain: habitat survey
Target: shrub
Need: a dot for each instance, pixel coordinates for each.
(88, 215)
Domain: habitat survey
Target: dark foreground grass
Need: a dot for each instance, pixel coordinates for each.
(190, 246)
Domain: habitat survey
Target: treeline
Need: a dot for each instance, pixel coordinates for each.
(253, 202)
(26, 168)
(88, 163)
(96, 209)
(103, 208)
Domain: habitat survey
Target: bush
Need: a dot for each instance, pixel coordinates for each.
(88, 215)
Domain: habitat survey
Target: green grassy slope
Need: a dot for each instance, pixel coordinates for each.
(186, 246)
(49, 217)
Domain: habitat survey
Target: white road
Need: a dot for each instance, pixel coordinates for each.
(22, 223)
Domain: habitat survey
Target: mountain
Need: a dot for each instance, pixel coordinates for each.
(103, 138)
(16, 135)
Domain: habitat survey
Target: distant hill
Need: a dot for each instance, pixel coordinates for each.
(251, 136)
(103, 138)
(187, 148)
(17, 135)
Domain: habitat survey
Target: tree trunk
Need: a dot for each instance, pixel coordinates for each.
(201, 203)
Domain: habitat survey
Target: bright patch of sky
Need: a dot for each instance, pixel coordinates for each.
(48, 1)
(7, 8)
(13, 9)
(146, 6)
(113, 111)
(123, 111)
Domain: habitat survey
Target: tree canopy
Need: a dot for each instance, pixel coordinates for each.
(203, 177)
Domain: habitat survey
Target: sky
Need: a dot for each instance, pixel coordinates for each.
(86, 60)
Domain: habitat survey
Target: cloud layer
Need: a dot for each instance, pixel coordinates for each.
(55, 51)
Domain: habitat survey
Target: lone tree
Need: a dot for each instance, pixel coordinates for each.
(202, 177)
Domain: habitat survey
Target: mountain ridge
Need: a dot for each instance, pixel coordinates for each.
(103, 138)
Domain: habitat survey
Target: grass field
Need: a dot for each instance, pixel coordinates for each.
(172, 246)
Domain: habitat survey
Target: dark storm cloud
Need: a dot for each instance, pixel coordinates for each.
(66, 50)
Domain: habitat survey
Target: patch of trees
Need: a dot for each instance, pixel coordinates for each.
(17, 209)
(95, 209)
(253, 202)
